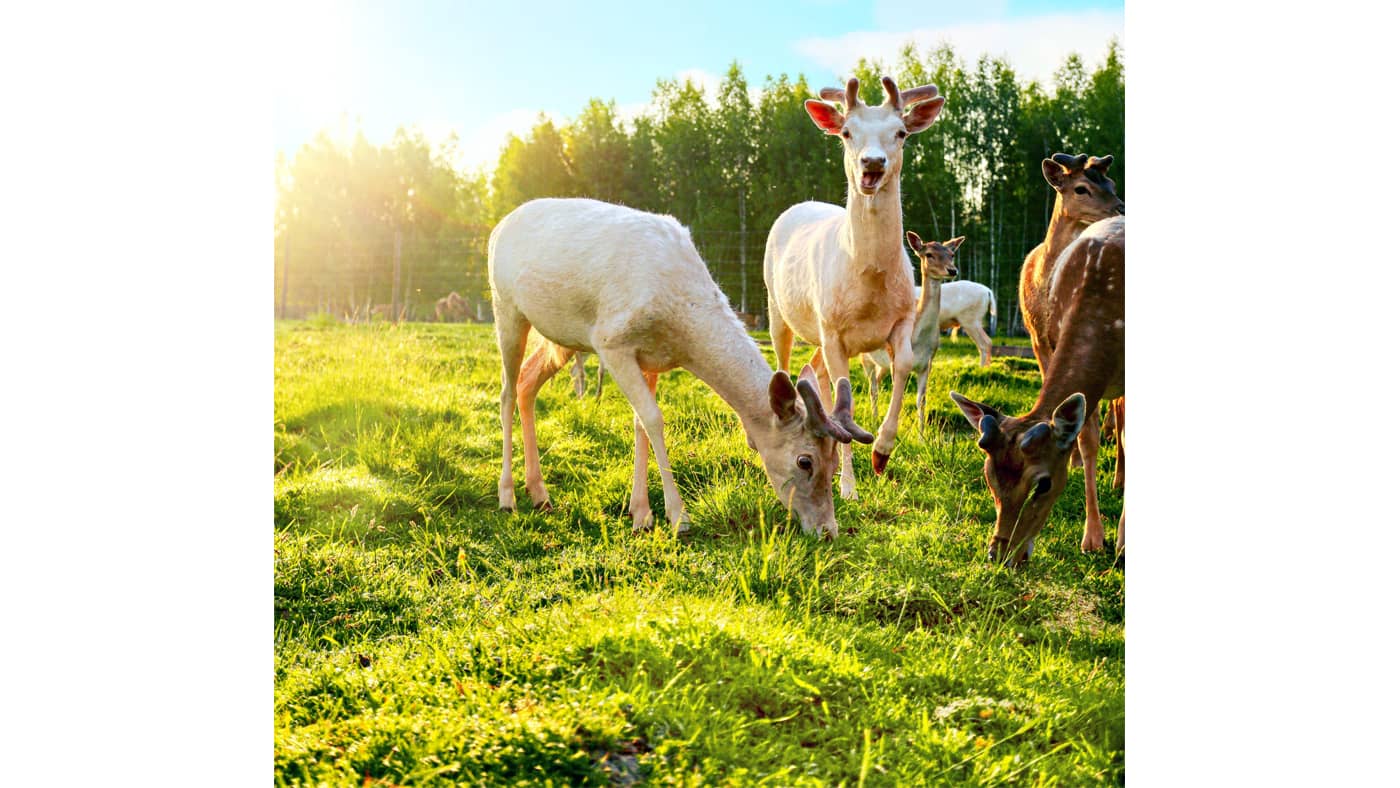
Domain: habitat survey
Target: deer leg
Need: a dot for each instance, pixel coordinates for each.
(640, 506)
(953, 332)
(902, 354)
(630, 379)
(1118, 407)
(983, 342)
(548, 359)
(834, 366)
(874, 374)
(823, 378)
(512, 329)
(781, 333)
(921, 389)
(1089, 448)
(580, 375)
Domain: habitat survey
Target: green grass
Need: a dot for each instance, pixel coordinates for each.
(422, 637)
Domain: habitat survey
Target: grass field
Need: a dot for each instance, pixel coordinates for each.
(422, 636)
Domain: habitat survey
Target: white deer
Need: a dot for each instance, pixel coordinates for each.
(630, 286)
(838, 277)
(965, 305)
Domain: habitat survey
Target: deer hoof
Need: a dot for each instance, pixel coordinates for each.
(544, 506)
(879, 461)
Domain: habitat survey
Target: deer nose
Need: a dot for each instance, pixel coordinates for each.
(872, 162)
(952, 271)
(1121, 212)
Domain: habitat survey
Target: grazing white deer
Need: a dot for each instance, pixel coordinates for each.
(1028, 457)
(839, 277)
(630, 286)
(965, 305)
(935, 265)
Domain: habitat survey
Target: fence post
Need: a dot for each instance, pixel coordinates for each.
(743, 258)
(394, 299)
(286, 266)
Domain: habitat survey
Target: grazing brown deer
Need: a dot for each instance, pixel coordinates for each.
(1028, 457)
(451, 307)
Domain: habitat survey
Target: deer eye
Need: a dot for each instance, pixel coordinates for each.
(804, 462)
(901, 134)
(846, 133)
(1080, 190)
(1042, 485)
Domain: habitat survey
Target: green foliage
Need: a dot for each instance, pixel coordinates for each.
(421, 636)
(725, 164)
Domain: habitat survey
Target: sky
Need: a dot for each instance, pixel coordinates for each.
(484, 70)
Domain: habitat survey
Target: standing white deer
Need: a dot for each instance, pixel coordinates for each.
(630, 286)
(839, 277)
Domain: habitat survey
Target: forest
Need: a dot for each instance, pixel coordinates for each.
(358, 224)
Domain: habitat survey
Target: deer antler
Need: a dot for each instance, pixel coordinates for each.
(817, 422)
(841, 414)
(852, 93)
(1071, 163)
(892, 94)
(1100, 163)
(915, 95)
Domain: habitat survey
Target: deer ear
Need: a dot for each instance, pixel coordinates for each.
(1054, 173)
(1069, 420)
(915, 242)
(825, 116)
(983, 418)
(955, 243)
(923, 115)
(782, 397)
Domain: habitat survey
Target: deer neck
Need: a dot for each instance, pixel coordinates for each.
(1069, 372)
(875, 227)
(727, 359)
(926, 313)
(1060, 234)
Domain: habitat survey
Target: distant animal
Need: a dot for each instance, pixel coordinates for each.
(451, 308)
(838, 277)
(935, 265)
(1027, 460)
(964, 305)
(631, 287)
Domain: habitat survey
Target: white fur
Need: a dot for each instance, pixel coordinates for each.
(630, 286)
(826, 267)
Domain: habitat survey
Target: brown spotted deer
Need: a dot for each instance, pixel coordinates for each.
(631, 287)
(1084, 194)
(1027, 459)
(839, 277)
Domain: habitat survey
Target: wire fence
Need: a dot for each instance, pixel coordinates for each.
(401, 278)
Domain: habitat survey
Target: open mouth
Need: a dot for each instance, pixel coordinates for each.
(870, 179)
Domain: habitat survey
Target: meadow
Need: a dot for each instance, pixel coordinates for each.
(421, 636)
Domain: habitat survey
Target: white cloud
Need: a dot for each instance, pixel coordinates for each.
(1034, 46)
